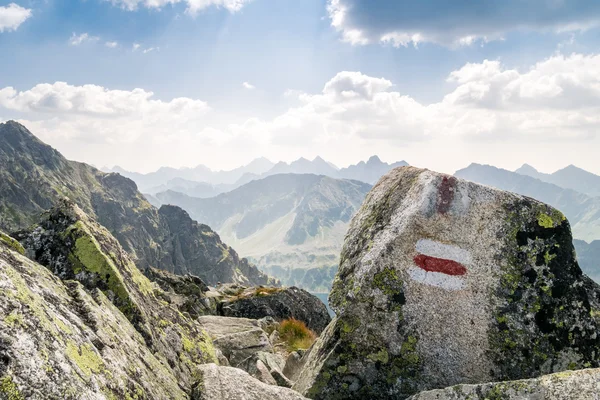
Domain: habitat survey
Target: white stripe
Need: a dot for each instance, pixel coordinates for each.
(439, 250)
(437, 279)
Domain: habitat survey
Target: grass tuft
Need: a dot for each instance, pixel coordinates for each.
(296, 334)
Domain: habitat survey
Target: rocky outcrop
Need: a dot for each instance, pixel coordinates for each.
(34, 177)
(199, 251)
(444, 281)
(186, 292)
(226, 383)
(88, 323)
(583, 385)
(279, 304)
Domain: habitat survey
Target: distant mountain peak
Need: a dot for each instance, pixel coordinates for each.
(527, 169)
(374, 160)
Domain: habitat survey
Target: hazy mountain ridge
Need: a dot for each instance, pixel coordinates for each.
(34, 176)
(199, 174)
(202, 182)
(570, 177)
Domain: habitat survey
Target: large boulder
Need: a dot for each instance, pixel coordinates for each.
(444, 281)
(279, 304)
(226, 383)
(582, 385)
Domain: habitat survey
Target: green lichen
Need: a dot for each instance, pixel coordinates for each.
(381, 356)
(13, 319)
(62, 326)
(11, 243)
(539, 278)
(87, 256)
(552, 220)
(9, 389)
(85, 358)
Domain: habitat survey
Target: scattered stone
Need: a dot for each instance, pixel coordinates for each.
(443, 281)
(226, 383)
(263, 374)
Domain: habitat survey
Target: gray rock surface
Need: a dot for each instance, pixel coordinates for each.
(238, 338)
(569, 385)
(226, 383)
(294, 364)
(444, 281)
(88, 338)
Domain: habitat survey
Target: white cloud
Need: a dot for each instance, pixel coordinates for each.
(193, 6)
(111, 45)
(95, 113)
(150, 49)
(405, 22)
(12, 16)
(549, 113)
(248, 86)
(136, 46)
(76, 40)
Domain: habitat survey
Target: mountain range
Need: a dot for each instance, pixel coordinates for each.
(570, 177)
(34, 177)
(202, 182)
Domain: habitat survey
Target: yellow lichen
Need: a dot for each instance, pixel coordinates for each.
(11, 243)
(9, 389)
(13, 319)
(85, 358)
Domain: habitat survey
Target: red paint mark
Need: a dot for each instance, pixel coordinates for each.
(446, 194)
(433, 264)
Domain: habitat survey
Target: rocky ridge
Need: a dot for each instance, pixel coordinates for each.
(34, 177)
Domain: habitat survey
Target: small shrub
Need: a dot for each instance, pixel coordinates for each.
(296, 334)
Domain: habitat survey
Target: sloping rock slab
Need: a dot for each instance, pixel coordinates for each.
(226, 383)
(582, 385)
(444, 281)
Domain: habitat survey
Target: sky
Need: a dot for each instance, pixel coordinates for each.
(150, 83)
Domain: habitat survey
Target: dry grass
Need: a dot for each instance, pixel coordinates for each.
(265, 291)
(296, 335)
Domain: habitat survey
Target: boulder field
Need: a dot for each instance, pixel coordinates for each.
(444, 282)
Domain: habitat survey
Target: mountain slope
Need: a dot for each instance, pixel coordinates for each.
(582, 210)
(34, 177)
(570, 177)
(283, 222)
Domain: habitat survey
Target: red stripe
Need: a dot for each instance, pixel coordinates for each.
(432, 264)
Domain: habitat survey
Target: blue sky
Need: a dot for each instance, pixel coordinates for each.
(288, 53)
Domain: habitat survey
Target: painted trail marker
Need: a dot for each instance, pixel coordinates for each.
(441, 265)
